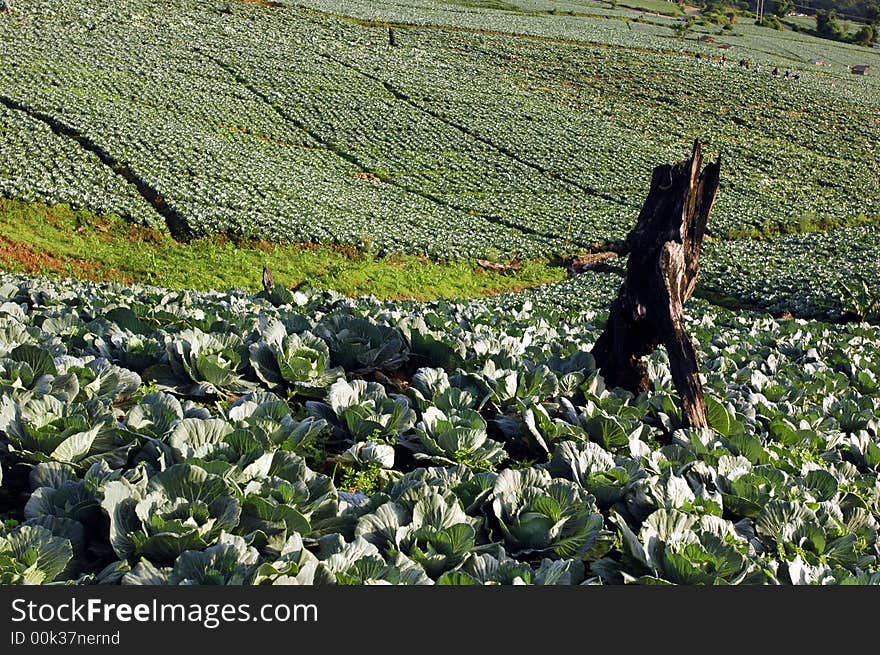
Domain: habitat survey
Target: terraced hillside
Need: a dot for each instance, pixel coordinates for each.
(528, 129)
(152, 435)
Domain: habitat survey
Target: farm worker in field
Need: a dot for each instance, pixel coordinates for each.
(5, 7)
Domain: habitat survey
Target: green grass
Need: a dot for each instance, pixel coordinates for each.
(807, 223)
(654, 6)
(60, 241)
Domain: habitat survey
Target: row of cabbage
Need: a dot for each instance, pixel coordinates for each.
(534, 8)
(593, 117)
(171, 437)
(36, 165)
(291, 124)
(586, 23)
(218, 153)
(829, 275)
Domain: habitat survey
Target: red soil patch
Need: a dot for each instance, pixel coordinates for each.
(367, 177)
(145, 235)
(585, 262)
(263, 137)
(14, 254)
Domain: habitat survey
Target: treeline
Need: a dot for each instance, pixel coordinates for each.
(867, 11)
(831, 16)
(828, 26)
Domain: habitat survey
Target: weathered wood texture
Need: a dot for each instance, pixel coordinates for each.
(268, 280)
(664, 251)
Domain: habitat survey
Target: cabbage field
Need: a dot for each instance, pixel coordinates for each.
(510, 132)
(167, 437)
(301, 437)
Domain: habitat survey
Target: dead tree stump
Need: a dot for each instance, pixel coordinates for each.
(268, 280)
(664, 249)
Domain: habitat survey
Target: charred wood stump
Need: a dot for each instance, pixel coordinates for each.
(664, 251)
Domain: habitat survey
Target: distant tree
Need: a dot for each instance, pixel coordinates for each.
(783, 8)
(827, 25)
(865, 11)
(770, 21)
(683, 28)
(866, 35)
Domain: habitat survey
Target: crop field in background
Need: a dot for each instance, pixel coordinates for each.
(483, 133)
(162, 424)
